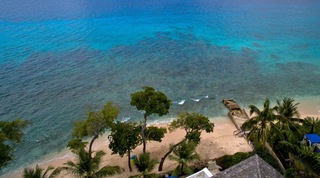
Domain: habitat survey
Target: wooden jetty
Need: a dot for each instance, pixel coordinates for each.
(237, 115)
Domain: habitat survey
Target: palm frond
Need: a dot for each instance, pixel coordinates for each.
(254, 110)
(72, 168)
(87, 165)
(177, 171)
(144, 164)
(108, 171)
(187, 169)
(55, 172)
(183, 154)
(47, 170)
(29, 173)
(37, 172)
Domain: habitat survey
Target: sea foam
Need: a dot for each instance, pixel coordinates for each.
(125, 119)
(179, 102)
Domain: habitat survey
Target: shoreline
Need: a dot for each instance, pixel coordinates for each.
(212, 145)
(218, 143)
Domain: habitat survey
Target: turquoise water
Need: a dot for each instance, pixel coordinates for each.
(58, 59)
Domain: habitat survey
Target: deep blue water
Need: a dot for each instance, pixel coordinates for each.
(58, 59)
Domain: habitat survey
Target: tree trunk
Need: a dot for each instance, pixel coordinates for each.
(142, 133)
(129, 163)
(91, 143)
(181, 168)
(283, 170)
(167, 154)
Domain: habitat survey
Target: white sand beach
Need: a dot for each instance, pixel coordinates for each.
(218, 143)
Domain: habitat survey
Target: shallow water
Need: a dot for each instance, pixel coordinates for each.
(58, 59)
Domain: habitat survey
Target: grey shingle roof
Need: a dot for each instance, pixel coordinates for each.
(253, 167)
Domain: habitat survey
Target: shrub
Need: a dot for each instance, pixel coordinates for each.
(227, 161)
(264, 154)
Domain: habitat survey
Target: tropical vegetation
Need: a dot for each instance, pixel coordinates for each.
(88, 166)
(193, 124)
(37, 172)
(280, 130)
(184, 154)
(275, 131)
(10, 134)
(150, 102)
(145, 165)
(124, 138)
(95, 125)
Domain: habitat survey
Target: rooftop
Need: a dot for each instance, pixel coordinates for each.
(314, 138)
(253, 167)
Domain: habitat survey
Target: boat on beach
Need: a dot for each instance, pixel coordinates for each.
(237, 115)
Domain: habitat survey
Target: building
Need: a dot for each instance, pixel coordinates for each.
(204, 173)
(253, 167)
(312, 139)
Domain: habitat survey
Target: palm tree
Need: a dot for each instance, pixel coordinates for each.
(184, 154)
(288, 109)
(261, 123)
(288, 113)
(145, 165)
(312, 123)
(260, 126)
(37, 172)
(305, 161)
(88, 167)
(287, 126)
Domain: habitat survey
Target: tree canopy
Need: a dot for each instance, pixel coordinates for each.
(193, 124)
(184, 154)
(153, 133)
(95, 125)
(261, 123)
(89, 167)
(151, 102)
(38, 172)
(260, 126)
(124, 137)
(145, 164)
(312, 123)
(10, 135)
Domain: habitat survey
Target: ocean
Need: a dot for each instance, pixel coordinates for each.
(61, 58)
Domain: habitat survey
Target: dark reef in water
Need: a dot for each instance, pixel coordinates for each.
(55, 89)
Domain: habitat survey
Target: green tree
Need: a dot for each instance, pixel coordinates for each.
(304, 162)
(124, 138)
(10, 135)
(95, 125)
(260, 126)
(288, 109)
(312, 123)
(227, 161)
(145, 165)
(184, 154)
(151, 102)
(89, 167)
(193, 124)
(38, 172)
(287, 113)
(261, 123)
(287, 126)
(153, 133)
